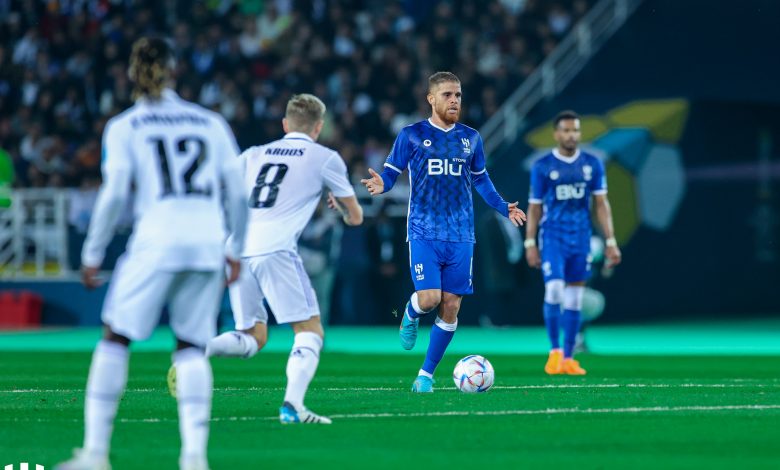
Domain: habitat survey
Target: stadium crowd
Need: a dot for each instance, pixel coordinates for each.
(62, 67)
(62, 76)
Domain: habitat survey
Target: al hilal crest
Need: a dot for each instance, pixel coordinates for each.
(587, 171)
(427, 143)
(554, 175)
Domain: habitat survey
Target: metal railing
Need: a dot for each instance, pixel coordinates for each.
(34, 234)
(556, 71)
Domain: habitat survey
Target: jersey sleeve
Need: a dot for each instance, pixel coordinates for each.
(117, 169)
(232, 175)
(599, 180)
(536, 192)
(399, 154)
(478, 161)
(334, 172)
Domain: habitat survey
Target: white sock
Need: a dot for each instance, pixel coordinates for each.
(106, 383)
(232, 344)
(194, 384)
(301, 366)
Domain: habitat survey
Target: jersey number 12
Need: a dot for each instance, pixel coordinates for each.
(183, 148)
(269, 198)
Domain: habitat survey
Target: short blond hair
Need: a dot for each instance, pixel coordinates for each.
(304, 111)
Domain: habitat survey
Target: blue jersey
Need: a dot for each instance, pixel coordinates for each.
(564, 185)
(441, 164)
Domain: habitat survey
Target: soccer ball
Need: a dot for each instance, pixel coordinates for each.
(473, 374)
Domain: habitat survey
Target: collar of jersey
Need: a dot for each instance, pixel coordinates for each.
(441, 128)
(564, 159)
(166, 94)
(298, 136)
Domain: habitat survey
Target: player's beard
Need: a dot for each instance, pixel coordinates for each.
(446, 117)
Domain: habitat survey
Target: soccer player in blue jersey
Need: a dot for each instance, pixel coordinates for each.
(444, 159)
(562, 185)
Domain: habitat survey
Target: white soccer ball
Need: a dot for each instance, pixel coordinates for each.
(473, 374)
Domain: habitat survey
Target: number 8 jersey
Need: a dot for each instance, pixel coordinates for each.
(284, 180)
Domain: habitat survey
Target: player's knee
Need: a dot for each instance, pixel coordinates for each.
(572, 297)
(554, 291)
(312, 325)
(428, 300)
(109, 335)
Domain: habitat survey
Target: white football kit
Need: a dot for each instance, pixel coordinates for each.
(178, 156)
(284, 181)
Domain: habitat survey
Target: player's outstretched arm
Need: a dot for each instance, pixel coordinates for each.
(487, 190)
(348, 207)
(375, 185)
(604, 216)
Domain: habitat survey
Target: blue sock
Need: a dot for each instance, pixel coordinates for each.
(571, 325)
(552, 320)
(440, 339)
(411, 311)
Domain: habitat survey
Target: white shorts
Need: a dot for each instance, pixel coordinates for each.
(138, 293)
(280, 279)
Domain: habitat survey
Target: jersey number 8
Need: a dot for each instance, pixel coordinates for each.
(269, 197)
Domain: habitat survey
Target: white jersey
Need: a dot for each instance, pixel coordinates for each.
(178, 156)
(284, 180)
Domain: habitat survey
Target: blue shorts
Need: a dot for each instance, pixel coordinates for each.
(565, 257)
(442, 265)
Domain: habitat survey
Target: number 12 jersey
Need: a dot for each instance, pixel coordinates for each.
(284, 181)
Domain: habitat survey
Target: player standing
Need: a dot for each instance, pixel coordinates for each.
(285, 179)
(444, 159)
(562, 184)
(178, 155)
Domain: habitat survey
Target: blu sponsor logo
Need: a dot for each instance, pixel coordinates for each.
(564, 192)
(437, 166)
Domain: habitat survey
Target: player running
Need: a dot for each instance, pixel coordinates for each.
(178, 156)
(444, 159)
(562, 183)
(285, 179)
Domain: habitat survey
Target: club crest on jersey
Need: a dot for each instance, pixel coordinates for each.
(427, 143)
(466, 145)
(587, 172)
(554, 175)
(418, 268)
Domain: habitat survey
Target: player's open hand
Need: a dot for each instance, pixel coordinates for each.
(613, 256)
(90, 277)
(375, 184)
(234, 269)
(516, 215)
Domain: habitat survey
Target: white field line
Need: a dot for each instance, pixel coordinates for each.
(741, 384)
(438, 414)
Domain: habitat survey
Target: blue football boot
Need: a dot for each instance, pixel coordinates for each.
(408, 331)
(289, 415)
(422, 384)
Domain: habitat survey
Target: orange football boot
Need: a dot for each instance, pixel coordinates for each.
(554, 362)
(572, 367)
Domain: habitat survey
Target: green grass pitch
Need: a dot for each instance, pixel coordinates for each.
(629, 412)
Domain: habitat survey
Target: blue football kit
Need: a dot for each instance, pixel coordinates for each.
(443, 166)
(564, 186)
